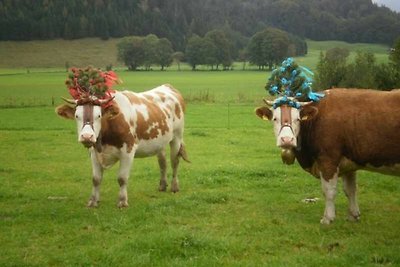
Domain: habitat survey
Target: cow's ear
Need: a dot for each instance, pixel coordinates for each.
(111, 111)
(308, 112)
(264, 113)
(66, 111)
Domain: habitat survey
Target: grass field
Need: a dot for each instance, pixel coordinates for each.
(238, 204)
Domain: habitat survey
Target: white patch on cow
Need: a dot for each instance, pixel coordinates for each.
(285, 134)
(86, 132)
(329, 190)
(142, 109)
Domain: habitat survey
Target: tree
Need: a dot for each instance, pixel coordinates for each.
(164, 48)
(222, 48)
(193, 51)
(268, 47)
(361, 73)
(151, 56)
(331, 68)
(395, 54)
(131, 51)
(178, 58)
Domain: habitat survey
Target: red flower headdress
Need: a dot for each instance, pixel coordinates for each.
(91, 83)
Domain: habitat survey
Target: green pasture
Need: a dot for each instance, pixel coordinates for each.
(238, 204)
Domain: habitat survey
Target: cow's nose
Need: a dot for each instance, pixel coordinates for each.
(87, 137)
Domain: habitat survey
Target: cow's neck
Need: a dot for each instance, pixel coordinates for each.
(98, 146)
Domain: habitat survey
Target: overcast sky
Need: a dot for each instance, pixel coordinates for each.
(392, 4)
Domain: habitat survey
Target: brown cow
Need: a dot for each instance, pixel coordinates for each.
(348, 130)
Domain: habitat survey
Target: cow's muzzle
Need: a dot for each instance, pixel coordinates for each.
(87, 139)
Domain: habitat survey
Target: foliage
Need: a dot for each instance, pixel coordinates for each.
(178, 57)
(268, 48)
(364, 72)
(223, 53)
(201, 51)
(331, 68)
(146, 51)
(361, 73)
(165, 53)
(131, 51)
(177, 20)
(395, 54)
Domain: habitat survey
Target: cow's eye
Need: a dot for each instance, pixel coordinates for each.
(274, 119)
(99, 116)
(76, 116)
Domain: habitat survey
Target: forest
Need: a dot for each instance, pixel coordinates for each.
(178, 20)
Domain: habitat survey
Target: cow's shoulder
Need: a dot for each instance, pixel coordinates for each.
(116, 127)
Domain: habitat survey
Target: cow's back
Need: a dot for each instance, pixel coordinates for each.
(155, 117)
(360, 125)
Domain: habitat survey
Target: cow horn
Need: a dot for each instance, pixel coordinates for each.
(268, 102)
(304, 103)
(70, 101)
(101, 102)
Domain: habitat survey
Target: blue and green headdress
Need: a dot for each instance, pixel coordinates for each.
(293, 83)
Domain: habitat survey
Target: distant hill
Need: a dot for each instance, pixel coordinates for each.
(349, 20)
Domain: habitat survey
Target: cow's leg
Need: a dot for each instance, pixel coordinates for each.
(126, 162)
(175, 145)
(350, 189)
(162, 162)
(328, 183)
(97, 171)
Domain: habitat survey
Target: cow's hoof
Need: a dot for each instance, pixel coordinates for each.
(353, 217)
(326, 221)
(123, 204)
(93, 203)
(175, 187)
(162, 187)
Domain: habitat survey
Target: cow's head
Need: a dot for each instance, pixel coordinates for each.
(88, 113)
(287, 119)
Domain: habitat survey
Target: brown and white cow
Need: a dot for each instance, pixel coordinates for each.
(348, 130)
(134, 125)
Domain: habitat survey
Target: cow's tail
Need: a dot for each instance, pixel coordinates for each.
(182, 153)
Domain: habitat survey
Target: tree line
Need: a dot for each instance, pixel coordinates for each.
(265, 49)
(178, 20)
(334, 70)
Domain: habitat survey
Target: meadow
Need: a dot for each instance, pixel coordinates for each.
(238, 204)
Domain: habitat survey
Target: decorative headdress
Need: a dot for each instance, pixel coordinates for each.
(293, 83)
(90, 83)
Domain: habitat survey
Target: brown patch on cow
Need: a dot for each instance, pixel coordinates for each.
(286, 115)
(66, 112)
(155, 125)
(115, 131)
(134, 99)
(162, 96)
(178, 110)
